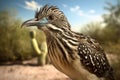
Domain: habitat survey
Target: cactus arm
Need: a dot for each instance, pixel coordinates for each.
(35, 46)
(42, 57)
(43, 47)
(40, 50)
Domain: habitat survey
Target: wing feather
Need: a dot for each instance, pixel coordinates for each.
(93, 60)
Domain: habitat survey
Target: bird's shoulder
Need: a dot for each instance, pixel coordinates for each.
(87, 40)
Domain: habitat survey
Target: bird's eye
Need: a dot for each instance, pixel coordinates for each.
(50, 17)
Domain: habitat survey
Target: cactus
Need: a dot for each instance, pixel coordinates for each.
(40, 50)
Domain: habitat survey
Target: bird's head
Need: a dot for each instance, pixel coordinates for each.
(48, 15)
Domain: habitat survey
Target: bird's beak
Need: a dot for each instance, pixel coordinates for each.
(31, 22)
(35, 22)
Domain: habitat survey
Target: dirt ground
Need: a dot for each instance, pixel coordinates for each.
(30, 71)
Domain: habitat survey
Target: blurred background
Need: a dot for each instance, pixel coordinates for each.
(98, 19)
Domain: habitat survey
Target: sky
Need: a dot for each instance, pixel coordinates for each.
(78, 12)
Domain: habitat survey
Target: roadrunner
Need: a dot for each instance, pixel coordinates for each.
(76, 55)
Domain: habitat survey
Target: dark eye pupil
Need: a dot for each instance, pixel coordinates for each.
(51, 17)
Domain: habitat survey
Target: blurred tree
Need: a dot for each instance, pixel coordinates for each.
(112, 20)
(94, 30)
(112, 34)
(113, 16)
(14, 41)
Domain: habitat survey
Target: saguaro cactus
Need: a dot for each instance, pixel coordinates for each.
(40, 49)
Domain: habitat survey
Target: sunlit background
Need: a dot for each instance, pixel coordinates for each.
(78, 12)
(99, 19)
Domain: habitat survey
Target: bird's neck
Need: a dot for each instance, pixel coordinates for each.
(64, 36)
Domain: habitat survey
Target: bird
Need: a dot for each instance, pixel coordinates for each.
(78, 56)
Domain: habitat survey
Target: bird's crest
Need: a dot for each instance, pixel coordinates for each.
(53, 13)
(49, 10)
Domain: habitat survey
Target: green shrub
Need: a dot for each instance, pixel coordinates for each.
(114, 49)
(15, 41)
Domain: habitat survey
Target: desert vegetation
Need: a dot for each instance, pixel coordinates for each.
(15, 41)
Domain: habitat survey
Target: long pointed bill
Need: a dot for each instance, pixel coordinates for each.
(34, 22)
(31, 22)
